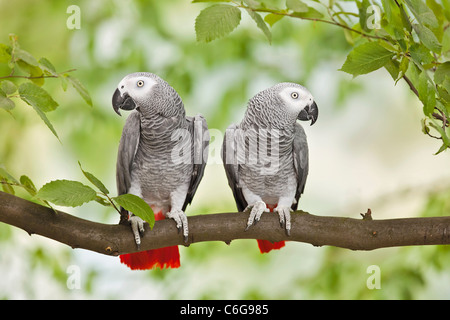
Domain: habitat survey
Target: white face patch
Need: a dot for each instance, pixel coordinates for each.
(138, 87)
(296, 98)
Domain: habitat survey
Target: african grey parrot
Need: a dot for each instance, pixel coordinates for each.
(266, 155)
(162, 157)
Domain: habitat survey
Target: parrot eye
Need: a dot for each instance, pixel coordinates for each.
(294, 95)
(140, 83)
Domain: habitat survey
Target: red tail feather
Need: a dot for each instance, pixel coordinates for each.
(168, 257)
(265, 245)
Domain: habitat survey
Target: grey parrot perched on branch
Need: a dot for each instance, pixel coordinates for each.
(162, 157)
(266, 155)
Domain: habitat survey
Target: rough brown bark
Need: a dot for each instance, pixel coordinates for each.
(354, 234)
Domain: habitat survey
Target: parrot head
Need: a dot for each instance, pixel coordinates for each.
(298, 100)
(145, 92)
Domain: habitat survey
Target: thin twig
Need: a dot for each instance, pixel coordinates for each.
(332, 22)
(411, 85)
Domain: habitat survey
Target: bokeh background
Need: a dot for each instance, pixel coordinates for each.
(366, 151)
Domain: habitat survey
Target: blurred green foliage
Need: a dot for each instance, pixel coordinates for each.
(409, 38)
(215, 79)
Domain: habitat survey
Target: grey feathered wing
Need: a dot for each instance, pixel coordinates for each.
(230, 163)
(200, 140)
(127, 150)
(301, 162)
(125, 156)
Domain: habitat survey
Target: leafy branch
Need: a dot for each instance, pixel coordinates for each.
(408, 38)
(69, 193)
(35, 72)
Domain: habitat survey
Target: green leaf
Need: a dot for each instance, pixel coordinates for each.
(28, 185)
(297, 5)
(443, 93)
(137, 206)
(393, 67)
(81, 89)
(254, 4)
(103, 201)
(64, 82)
(48, 67)
(428, 38)
(25, 56)
(363, 15)
(442, 148)
(45, 119)
(96, 182)
(442, 72)
(5, 53)
(37, 97)
(425, 128)
(420, 54)
(272, 18)
(438, 128)
(40, 100)
(6, 103)
(260, 24)
(404, 64)
(7, 187)
(446, 41)
(36, 75)
(405, 18)
(426, 94)
(311, 14)
(397, 69)
(6, 175)
(66, 193)
(216, 21)
(446, 5)
(423, 13)
(366, 58)
(393, 22)
(446, 85)
(8, 87)
(437, 10)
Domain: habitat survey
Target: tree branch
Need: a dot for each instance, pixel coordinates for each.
(354, 234)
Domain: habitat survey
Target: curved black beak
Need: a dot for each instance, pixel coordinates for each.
(310, 112)
(122, 102)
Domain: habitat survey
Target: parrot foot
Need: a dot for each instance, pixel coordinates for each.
(181, 220)
(137, 226)
(285, 218)
(257, 210)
